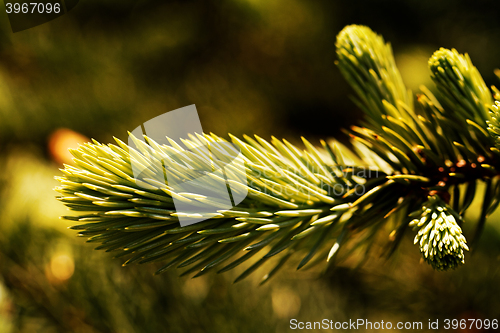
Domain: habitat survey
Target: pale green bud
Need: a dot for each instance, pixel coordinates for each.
(440, 238)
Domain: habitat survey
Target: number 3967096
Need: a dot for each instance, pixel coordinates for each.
(33, 7)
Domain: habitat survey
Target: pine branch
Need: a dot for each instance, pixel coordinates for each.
(290, 193)
(447, 145)
(407, 160)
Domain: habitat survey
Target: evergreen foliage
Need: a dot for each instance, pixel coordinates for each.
(407, 160)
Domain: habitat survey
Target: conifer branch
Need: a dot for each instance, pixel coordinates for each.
(406, 161)
(290, 194)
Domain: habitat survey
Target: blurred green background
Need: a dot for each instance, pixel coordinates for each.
(250, 66)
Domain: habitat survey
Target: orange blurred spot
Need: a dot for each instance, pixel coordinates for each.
(62, 267)
(286, 302)
(62, 139)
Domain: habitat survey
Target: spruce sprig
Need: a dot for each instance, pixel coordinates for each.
(290, 193)
(426, 158)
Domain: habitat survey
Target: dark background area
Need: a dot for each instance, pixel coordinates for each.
(255, 66)
(261, 67)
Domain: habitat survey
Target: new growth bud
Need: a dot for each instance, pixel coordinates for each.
(494, 122)
(461, 84)
(439, 236)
